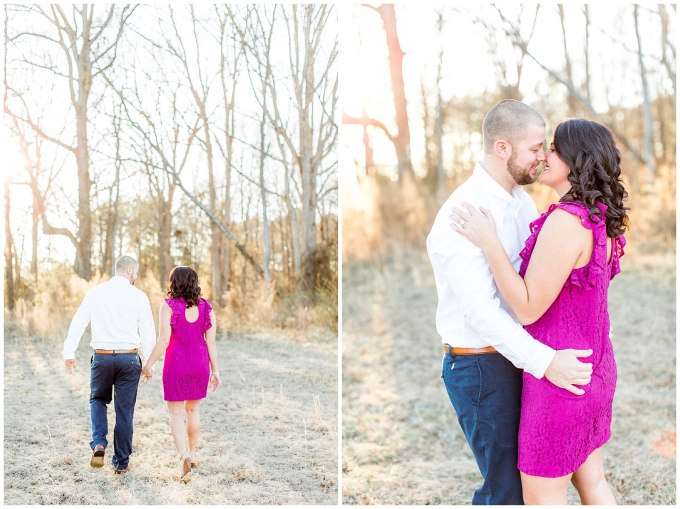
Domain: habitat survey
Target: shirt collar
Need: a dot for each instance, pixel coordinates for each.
(511, 202)
(119, 279)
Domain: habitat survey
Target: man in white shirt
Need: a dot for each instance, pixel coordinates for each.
(474, 322)
(116, 309)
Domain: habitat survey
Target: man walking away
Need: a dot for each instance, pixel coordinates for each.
(116, 309)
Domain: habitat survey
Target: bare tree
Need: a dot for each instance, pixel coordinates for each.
(512, 31)
(161, 127)
(647, 108)
(312, 136)
(567, 61)
(667, 47)
(402, 139)
(265, 217)
(9, 245)
(87, 54)
(9, 241)
(229, 72)
(199, 86)
(173, 169)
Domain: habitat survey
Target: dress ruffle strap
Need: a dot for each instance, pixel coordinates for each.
(175, 306)
(617, 253)
(207, 308)
(584, 277)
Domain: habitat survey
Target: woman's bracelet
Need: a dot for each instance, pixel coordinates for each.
(216, 373)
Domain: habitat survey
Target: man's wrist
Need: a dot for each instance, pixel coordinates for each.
(545, 357)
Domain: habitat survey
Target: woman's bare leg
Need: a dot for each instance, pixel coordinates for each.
(177, 426)
(544, 490)
(590, 482)
(193, 424)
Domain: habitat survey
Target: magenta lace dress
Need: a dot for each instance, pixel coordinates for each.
(559, 430)
(186, 370)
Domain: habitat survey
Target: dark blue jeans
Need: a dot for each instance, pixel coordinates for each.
(486, 392)
(114, 375)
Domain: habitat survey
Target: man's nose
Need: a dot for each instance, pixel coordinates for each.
(540, 155)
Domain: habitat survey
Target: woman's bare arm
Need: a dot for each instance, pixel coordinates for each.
(165, 314)
(562, 243)
(210, 336)
(559, 247)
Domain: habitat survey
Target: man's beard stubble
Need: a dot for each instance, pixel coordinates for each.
(519, 175)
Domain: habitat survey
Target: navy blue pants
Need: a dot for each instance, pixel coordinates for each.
(486, 392)
(114, 375)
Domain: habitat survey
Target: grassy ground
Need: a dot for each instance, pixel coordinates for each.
(269, 434)
(401, 441)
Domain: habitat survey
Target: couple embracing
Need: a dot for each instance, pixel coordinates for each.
(528, 363)
(117, 310)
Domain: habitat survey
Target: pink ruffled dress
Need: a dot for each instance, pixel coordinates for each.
(186, 370)
(559, 430)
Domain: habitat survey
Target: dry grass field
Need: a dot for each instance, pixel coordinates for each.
(269, 434)
(401, 441)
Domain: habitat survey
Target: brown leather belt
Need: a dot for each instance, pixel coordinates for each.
(469, 351)
(115, 351)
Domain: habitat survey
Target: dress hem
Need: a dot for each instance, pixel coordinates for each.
(570, 471)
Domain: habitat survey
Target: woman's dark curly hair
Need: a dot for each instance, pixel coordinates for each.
(183, 282)
(588, 148)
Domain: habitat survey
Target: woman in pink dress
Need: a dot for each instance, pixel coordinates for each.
(187, 336)
(560, 296)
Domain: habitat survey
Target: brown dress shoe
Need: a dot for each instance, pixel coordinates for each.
(123, 470)
(97, 459)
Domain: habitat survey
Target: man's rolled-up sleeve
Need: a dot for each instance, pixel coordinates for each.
(470, 276)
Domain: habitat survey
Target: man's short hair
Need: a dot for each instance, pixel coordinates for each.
(124, 262)
(509, 121)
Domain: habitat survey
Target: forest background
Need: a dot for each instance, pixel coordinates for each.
(198, 136)
(416, 85)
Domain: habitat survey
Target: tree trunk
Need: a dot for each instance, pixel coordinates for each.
(441, 111)
(308, 170)
(226, 259)
(9, 277)
(308, 177)
(34, 242)
(649, 126)
(165, 236)
(9, 242)
(265, 218)
(370, 164)
(84, 61)
(228, 100)
(402, 142)
(430, 175)
(107, 240)
(571, 102)
(114, 227)
(665, 44)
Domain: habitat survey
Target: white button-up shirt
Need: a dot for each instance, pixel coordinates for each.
(471, 312)
(116, 309)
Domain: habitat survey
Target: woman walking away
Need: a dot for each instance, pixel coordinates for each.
(187, 336)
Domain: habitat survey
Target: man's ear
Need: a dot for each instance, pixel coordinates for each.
(503, 149)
